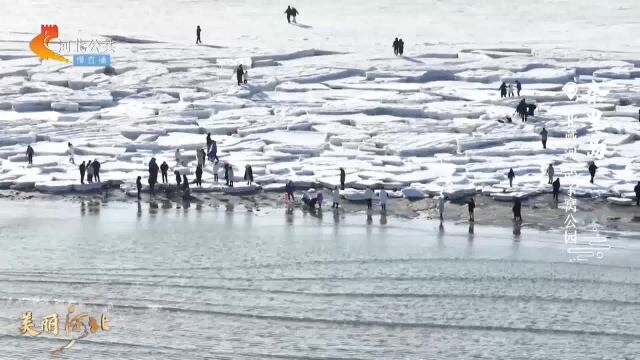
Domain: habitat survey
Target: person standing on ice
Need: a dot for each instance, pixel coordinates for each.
(96, 170)
(294, 13)
(396, 45)
(556, 189)
(248, 174)
(517, 210)
(289, 189)
(510, 90)
(226, 173)
(471, 204)
(592, 170)
(230, 175)
(209, 142)
(543, 137)
(216, 169)
(198, 30)
(521, 109)
(319, 199)
(518, 87)
(239, 74)
(245, 77)
(335, 194)
(384, 198)
(441, 203)
(71, 151)
(178, 157)
(511, 175)
(199, 176)
(200, 157)
(178, 178)
(368, 195)
(153, 175)
(400, 47)
(550, 172)
(89, 172)
(342, 177)
(164, 168)
(30, 154)
(503, 90)
(82, 169)
(139, 185)
(637, 191)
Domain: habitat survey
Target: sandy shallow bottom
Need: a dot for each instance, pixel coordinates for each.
(235, 281)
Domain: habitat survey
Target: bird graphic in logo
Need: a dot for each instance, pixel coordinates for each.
(39, 44)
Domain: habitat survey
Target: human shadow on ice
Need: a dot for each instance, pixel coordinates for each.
(302, 25)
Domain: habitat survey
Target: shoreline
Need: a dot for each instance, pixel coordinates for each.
(539, 212)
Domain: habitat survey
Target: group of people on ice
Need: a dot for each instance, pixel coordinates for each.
(398, 47)
(291, 13)
(507, 89)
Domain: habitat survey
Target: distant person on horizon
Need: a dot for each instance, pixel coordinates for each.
(517, 210)
(139, 185)
(511, 175)
(199, 176)
(518, 87)
(503, 90)
(400, 47)
(89, 172)
(335, 194)
(342, 178)
(637, 191)
(471, 204)
(556, 189)
(164, 169)
(592, 170)
(239, 74)
(543, 137)
(550, 172)
(82, 169)
(198, 30)
(289, 12)
(396, 45)
(30, 154)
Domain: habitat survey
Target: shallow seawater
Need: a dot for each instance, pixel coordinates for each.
(224, 283)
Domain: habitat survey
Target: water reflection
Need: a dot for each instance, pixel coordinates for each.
(517, 226)
(383, 218)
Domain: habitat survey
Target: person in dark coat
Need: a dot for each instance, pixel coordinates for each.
(178, 178)
(153, 175)
(209, 142)
(226, 173)
(637, 190)
(518, 87)
(342, 176)
(521, 109)
(96, 170)
(294, 13)
(471, 204)
(30, 154)
(592, 170)
(517, 208)
(503, 90)
(199, 176)
(556, 189)
(198, 30)
(289, 12)
(82, 169)
(396, 45)
(239, 74)
(164, 168)
(139, 185)
(400, 47)
(543, 137)
(289, 188)
(511, 175)
(531, 108)
(248, 174)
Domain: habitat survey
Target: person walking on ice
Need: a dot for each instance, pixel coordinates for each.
(82, 169)
(289, 12)
(510, 176)
(396, 45)
(178, 157)
(503, 90)
(543, 138)
(139, 185)
(518, 87)
(294, 13)
(471, 204)
(239, 74)
(248, 174)
(368, 195)
(342, 178)
(30, 154)
(592, 170)
(230, 175)
(216, 170)
(164, 168)
(441, 203)
(550, 172)
(198, 30)
(556, 189)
